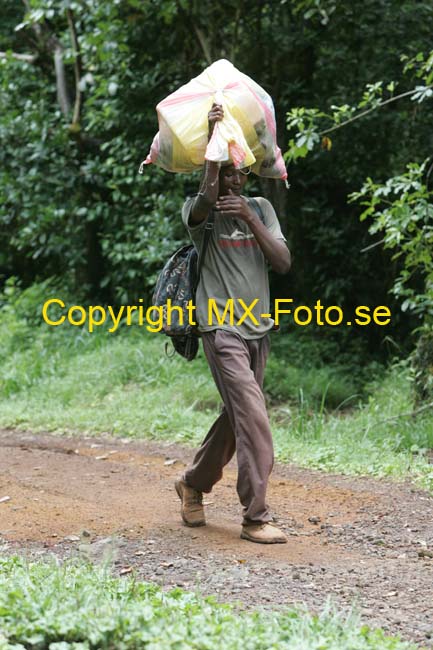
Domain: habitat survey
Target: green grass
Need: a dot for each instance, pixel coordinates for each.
(67, 380)
(379, 437)
(75, 606)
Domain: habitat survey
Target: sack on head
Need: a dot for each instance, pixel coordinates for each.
(246, 136)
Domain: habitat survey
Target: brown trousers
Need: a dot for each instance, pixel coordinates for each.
(237, 366)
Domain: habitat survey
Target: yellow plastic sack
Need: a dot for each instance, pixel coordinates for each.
(246, 135)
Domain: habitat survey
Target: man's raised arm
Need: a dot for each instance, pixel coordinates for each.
(209, 186)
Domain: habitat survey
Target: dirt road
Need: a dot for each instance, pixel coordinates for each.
(354, 540)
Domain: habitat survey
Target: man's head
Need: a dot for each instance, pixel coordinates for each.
(232, 179)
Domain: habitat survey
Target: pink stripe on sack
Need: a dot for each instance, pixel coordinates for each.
(232, 84)
(269, 115)
(237, 154)
(170, 100)
(154, 151)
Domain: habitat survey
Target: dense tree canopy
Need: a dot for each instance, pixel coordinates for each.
(79, 83)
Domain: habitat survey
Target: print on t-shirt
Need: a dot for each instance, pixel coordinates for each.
(236, 239)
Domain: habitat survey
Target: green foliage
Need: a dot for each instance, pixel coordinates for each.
(421, 65)
(347, 68)
(72, 204)
(76, 606)
(28, 352)
(71, 201)
(401, 210)
(80, 379)
(64, 379)
(303, 119)
(381, 437)
(314, 368)
(314, 125)
(316, 9)
(422, 363)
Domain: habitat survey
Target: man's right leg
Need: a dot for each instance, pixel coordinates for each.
(215, 452)
(207, 469)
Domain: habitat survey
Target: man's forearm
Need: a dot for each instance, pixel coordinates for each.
(274, 250)
(207, 194)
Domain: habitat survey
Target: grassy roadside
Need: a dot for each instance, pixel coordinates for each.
(76, 606)
(67, 380)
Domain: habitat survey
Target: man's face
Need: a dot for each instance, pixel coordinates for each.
(232, 179)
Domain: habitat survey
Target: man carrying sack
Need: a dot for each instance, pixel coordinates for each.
(245, 237)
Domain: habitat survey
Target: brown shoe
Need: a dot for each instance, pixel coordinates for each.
(192, 504)
(263, 534)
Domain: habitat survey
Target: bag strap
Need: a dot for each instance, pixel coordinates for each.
(207, 233)
(257, 208)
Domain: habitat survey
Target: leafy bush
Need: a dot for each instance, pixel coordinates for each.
(79, 607)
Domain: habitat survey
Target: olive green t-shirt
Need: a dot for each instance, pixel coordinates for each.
(234, 269)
